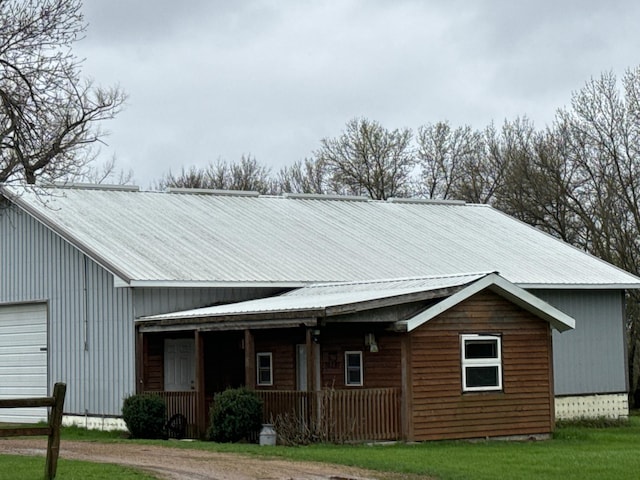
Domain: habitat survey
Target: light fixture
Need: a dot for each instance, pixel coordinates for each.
(315, 335)
(370, 341)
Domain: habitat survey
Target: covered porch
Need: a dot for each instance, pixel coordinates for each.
(293, 370)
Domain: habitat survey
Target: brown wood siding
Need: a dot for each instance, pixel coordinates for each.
(282, 345)
(153, 361)
(524, 407)
(382, 369)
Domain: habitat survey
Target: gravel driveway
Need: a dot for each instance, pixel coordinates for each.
(182, 464)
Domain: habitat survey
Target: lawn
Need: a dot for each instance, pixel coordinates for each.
(14, 467)
(573, 453)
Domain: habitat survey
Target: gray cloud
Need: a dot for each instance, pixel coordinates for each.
(271, 78)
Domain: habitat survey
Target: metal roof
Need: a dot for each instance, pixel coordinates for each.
(326, 300)
(321, 297)
(200, 239)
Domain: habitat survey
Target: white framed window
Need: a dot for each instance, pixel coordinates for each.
(353, 368)
(481, 362)
(264, 368)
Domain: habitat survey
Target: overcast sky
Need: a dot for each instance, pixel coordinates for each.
(218, 79)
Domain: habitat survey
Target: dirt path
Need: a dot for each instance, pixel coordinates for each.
(182, 464)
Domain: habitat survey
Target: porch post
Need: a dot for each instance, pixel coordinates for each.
(140, 359)
(406, 395)
(201, 408)
(312, 353)
(249, 360)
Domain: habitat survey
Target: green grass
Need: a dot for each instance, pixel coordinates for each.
(577, 451)
(32, 468)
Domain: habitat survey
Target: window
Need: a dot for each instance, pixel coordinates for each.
(353, 368)
(264, 369)
(481, 363)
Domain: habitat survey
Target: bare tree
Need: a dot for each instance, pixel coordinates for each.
(48, 114)
(448, 159)
(308, 176)
(368, 159)
(247, 175)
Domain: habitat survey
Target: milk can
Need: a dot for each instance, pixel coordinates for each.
(267, 434)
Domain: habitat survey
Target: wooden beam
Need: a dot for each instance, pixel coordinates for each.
(55, 420)
(201, 408)
(310, 361)
(249, 360)
(27, 402)
(140, 356)
(24, 431)
(406, 401)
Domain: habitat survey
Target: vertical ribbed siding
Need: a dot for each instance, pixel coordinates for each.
(153, 301)
(37, 265)
(591, 358)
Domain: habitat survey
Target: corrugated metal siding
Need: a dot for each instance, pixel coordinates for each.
(36, 265)
(590, 358)
(153, 301)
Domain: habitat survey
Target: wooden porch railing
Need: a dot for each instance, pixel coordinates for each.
(183, 403)
(333, 415)
(340, 415)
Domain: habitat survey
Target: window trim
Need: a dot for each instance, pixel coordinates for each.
(481, 362)
(347, 368)
(259, 369)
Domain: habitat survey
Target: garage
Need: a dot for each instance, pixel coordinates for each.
(23, 358)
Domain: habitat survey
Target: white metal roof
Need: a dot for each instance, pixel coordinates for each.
(320, 297)
(324, 300)
(197, 239)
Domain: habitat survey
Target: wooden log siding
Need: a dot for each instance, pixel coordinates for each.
(282, 345)
(340, 415)
(382, 369)
(524, 407)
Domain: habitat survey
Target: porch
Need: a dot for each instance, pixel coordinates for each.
(334, 415)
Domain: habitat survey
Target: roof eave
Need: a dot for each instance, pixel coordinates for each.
(212, 284)
(517, 295)
(579, 286)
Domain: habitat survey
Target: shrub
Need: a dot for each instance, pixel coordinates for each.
(235, 414)
(144, 416)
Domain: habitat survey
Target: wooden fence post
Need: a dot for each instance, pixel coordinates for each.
(55, 420)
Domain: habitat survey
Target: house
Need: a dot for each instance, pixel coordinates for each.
(423, 358)
(114, 291)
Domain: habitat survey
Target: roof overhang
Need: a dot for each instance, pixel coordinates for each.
(295, 310)
(495, 283)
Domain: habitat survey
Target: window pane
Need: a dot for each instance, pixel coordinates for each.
(481, 349)
(482, 376)
(265, 376)
(353, 360)
(264, 361)
(353, 376)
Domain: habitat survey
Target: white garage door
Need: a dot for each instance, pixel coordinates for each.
(23, 359)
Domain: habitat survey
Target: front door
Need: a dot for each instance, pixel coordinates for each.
(179, 364)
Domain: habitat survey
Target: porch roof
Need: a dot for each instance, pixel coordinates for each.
(324, 300)
(330, 299)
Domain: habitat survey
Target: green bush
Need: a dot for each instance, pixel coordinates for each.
(144, 416)
(235, 414)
